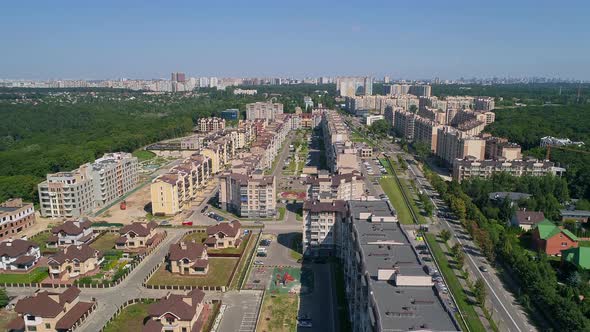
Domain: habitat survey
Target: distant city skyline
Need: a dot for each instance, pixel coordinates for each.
(449, 40)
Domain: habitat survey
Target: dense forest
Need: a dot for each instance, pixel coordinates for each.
(60, 130)
(291, 96)
(526, 125)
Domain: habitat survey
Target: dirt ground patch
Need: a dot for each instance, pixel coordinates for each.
(135, 211)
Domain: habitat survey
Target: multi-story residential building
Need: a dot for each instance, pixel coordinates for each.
(470, 167)
(364, 150)
(308, 102)
(15, 217)
(350, 186)
(207, 125)
(387, 287)
(173, 191)
(136, 236)
(497, 147)
(426, 131)
(177, 313)
(74, 261)
(249, 196)
(113, 175)
(18, 254)
(67, 194)
(72, 194)
(193, 142)
(188, 258)
(321, 218)
(248, 92)
(421, 90)
(372, 118)
(484, 104)
(47, 311)
(224, 235)
(263, 110)
(71, 232)
(396, 89)
(453, 144)
(403, 123)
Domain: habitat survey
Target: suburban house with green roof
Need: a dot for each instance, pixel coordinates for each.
(578, 256)
(552, 239)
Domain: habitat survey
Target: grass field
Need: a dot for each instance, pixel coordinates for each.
(242, 269)
(41, 240)
(105, 242)
(219, 274)
(392, 190)
(143, 155)
(130, 319)
(468, 310)
(37, 275)
(279, 313)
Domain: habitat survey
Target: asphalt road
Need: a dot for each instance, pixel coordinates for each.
(506, 311)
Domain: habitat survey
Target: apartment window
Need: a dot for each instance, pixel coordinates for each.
(47, 326)
(564, 244)
(32, 328)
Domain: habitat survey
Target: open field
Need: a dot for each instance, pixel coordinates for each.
(36, 275)
(143, 155)
(392, 190)
(219, 274)
(41, 240)
(130, 319)
(279, 313)
(105, 241)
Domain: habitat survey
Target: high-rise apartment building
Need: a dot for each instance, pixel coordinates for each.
(263, 110)
(403, 123)
(368, 86)
(72, 194)
(453, 144)
(178, 77)
(321, 219)
(349, 186)
(421, 90)
(248, 196)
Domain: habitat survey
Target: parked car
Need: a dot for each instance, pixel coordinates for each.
(261, 254)
(187, 223)
(304, 323)
(204, 208)
(483, 268)
(258, 263)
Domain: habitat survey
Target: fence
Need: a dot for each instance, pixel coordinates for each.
(83, 318)
(249, 262)
(135, 263)
(122, 307)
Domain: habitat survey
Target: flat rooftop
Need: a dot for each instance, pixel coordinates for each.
(384, 246)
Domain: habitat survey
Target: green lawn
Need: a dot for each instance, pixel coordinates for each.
(242, 270)
(281, 210)
(105, 242)
(468, 310)
(406, 189)
(5, 317)
(36, 275)
(392, 190)
(130, 319)
(279, 313)
(41, 240)
(144, 155)
(219, 274)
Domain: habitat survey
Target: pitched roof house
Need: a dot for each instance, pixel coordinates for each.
(224, 235)
(527, 219)
(74, 261)
(71, 232)
(579, 256)
(188, 258)
(178, 313)
(49, 311)
(136, 235)
(552, 239)
(18, 254)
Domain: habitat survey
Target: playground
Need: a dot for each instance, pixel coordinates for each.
(291, 280)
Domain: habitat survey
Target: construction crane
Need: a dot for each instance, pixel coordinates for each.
(548, 154)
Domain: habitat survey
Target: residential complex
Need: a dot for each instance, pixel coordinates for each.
(136, 236)
(263, 110)
(15, 216)
(71, 232)
(387, 286)
(177, 313)
(349, 186)
(224, 235)
(213, 124)
(470, 167)
(93, 185)
(74, 261)
(248, 196)
(341, 155)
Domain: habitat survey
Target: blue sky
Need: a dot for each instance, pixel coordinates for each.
(404, 39)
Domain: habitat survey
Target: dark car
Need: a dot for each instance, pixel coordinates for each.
(204, 208)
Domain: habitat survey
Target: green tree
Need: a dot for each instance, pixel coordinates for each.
(4, 299)
(480, 292)
(445, 235)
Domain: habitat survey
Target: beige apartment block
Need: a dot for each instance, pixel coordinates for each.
(248, 196)
(213, 124)
(263, 110)
(470, 167)
(345, 187)
(453, 144)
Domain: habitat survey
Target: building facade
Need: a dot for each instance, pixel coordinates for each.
(248, 196)
(15, 217)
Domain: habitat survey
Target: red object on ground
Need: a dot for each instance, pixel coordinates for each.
(187, 223)
(123, 205)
